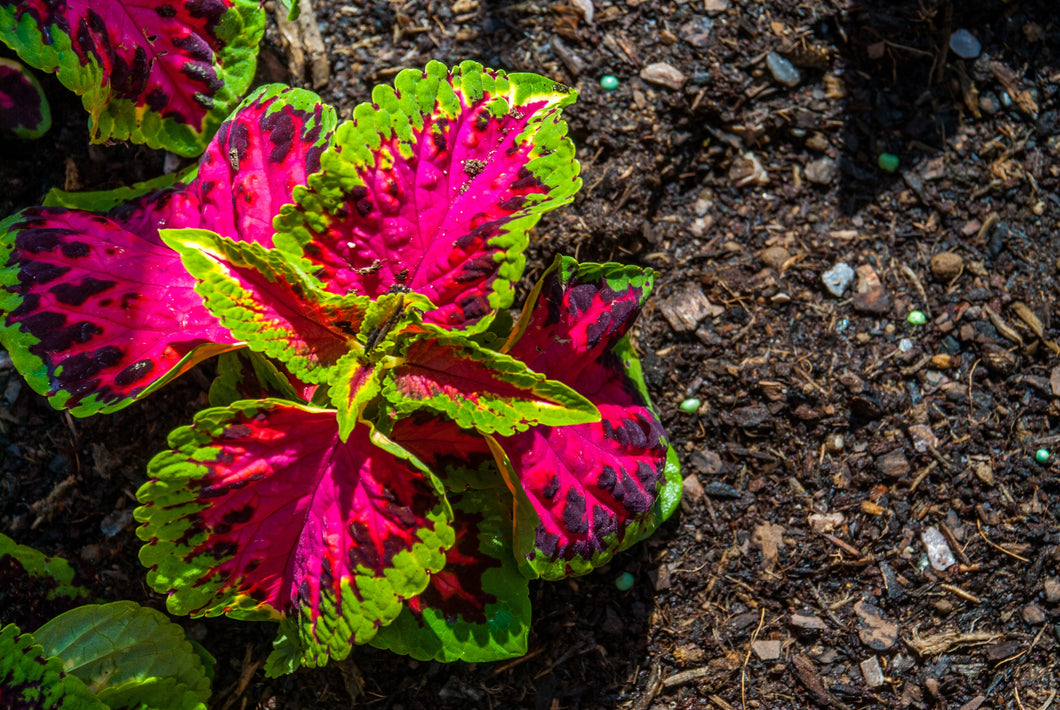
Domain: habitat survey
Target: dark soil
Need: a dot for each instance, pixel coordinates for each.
(833, 440)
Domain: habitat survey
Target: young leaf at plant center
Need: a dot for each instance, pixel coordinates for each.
(272, 306)
(129, 655)
(58, 270)
(29, 680)
(434, 185)
(24, 110)
(477, 608)
(446, 373)
(162, 73)
(260, 511)
(94, 315)
(585, 491)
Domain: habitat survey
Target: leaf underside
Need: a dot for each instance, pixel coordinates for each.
(259, 510)
(128, 655)
(585, 491)
(30, 680)
(162, 73)
(434, 185)
(24, 110)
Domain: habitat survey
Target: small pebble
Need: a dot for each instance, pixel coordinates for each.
(775, 257)
(1042, 455)
(871, 672)
(938, 550)
(690, 405)
(1033, 614)
(905, 345)
(888, 162)
(837, 279)
(965, 45)
(989, 103)
(767, 649)
(946, 266)
(663, 74)
(782, 70)
(916, 318)
(821, 171)
(609, 82)
(624, 582)
(1051, 585)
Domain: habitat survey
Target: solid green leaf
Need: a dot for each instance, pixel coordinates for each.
(129, 656)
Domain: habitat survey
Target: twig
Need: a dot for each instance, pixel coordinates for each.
(961, 593)
(747, 658)
(997, 547)
(655, 683)
(922, 475)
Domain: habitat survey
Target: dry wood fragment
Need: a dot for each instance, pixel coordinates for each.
(942, 642)
(304, 46)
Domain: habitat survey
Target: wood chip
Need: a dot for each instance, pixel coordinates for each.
(767, 649)
(304, 46)
(942, 642)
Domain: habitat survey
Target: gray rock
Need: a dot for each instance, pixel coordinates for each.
(964, 44)
(821, 171)
(1033, 614)
(871, 671)
(837, 279)
(893, 464)
(783, 71)
(685, 307)
(939, 554)
(1052, 590)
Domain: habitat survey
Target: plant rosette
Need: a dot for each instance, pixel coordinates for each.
(389, 457)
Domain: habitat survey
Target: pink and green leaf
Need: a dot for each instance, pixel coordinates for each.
(586, 491)
(575, 313)
(266, 302)
(52, 577)
(24, 110)
(477, 608)
(32, 680)
(95, 316)
(162, 73)
(446, 373)
(259, 510)
(269, 146)
(434, 185)
(460, 457)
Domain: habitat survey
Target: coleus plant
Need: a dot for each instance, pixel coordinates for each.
(164, 72)
(390, 457)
